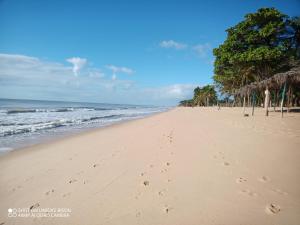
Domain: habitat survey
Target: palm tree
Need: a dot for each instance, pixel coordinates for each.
(202, 96)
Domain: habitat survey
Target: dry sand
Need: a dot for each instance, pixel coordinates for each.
(187, 166)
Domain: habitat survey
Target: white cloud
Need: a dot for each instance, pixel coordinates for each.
(173, 44)
(202, 49)
(96, 73)
(78, 64)
(17, 65)
(175, 92)
(34, 78)
(116, 69)
(29, 77)
(18, 58)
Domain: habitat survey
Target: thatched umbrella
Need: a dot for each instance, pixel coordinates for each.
(279, 79)
(275, 82)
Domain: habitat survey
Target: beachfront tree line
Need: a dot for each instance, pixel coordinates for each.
(203, 96)
(264, 43)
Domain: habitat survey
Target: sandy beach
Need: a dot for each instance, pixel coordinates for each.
(186, 166)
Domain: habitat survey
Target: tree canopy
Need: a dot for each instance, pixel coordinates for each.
(203, 96)
(264, 43)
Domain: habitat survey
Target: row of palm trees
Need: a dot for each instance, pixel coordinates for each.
(203, 96)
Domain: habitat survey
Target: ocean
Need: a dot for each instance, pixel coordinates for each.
(27, 122)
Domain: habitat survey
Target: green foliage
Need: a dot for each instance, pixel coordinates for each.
(205, 95)
(202, 97)
(295, 35)
(262, 44)
(186, 103)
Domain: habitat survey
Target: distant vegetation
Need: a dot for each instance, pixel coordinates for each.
(263, 44)
(204, 96)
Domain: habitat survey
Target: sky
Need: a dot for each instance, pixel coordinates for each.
(112, 51)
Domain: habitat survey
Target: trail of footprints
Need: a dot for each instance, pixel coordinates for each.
(270, 208)
(168, 138)
(160, 193)
(70, 181)
(220, 155)
(165, 168)
(145, 183)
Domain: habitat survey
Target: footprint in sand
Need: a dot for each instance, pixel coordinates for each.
(218, 155)
(226, 163)
(168, 164)
(248, 192)
(95, 165)
(34, 206)
(18, 187)
(170, 137)
(49, 192)
(146, 183)
(272, 208)
(167, 209)
(162, 192)
(164, 170)
(240, 180)
(72, 181)
(138, 195)
(85, 181)
(66, 194)
(264, 179)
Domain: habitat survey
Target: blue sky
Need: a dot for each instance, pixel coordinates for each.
(138, 52)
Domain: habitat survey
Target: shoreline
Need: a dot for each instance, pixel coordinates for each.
(51, 138)
(182, 166)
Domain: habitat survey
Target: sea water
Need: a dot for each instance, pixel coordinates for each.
(27, 122)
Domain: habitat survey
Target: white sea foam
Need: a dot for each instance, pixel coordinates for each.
(29, 121)
(5, 149)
